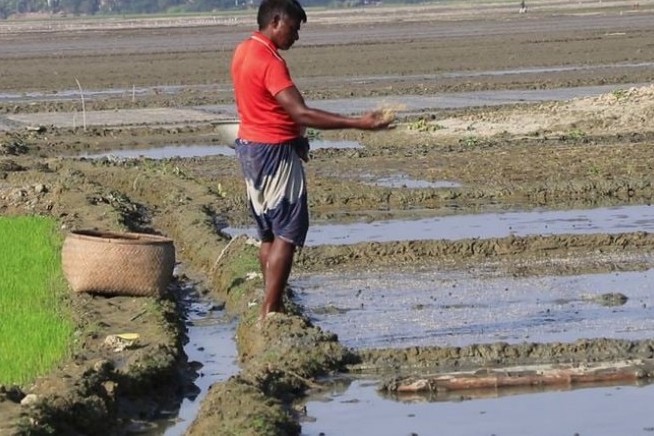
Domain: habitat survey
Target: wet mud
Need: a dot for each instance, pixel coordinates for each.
(590, 152)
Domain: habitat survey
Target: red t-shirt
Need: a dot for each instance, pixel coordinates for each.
(258, 74)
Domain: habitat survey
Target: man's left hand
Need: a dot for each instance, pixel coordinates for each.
(302, 148)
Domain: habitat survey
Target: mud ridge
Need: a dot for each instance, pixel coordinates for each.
(499, 354)
(421, 253)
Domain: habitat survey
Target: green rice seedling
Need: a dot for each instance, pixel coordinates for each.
(470, 141)
(36, 327)
(576, 134)
(620, 94)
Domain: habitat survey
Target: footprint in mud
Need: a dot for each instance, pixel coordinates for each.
(330, 310)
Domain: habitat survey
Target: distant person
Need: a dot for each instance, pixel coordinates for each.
(271, 144)
(523, 7)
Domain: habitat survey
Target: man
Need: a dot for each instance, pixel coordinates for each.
(271, 145)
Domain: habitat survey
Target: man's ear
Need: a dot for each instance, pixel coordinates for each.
(276, 20)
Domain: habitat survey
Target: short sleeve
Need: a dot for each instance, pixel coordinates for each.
(277, 78)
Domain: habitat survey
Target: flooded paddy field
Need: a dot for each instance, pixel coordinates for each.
(500, 231)
(459, 308)
(609, 220)
(597, 410)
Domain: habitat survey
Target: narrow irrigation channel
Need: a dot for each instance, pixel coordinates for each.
(211, 355)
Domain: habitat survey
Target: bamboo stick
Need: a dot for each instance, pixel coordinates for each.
(552, 376)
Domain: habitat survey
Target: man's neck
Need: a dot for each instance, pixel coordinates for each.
(268, 34)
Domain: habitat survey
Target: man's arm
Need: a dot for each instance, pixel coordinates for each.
(293, 102)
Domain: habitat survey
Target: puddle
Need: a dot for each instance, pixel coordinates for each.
(434, 308)
(404, 181)
(357, 409)
(618, 219)
(212, 349)
(166, 152)
(202, 150)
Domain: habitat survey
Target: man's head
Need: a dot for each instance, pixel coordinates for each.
(280, 20)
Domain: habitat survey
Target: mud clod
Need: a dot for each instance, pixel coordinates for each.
(609, 299)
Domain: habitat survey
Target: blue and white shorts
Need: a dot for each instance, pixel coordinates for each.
(276, 189)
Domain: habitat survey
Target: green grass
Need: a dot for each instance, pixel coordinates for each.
(36, 328)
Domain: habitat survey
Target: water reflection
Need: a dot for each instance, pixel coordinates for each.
(357, 409)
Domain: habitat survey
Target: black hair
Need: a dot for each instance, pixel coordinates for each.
(269, 8)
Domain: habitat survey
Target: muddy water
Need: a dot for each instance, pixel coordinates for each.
(484, 226)
(198, 150)
(458, 308)
(211, 350)
(467, 99)
(404, 181)
(357, 409)
(447, 100)
(165, 152)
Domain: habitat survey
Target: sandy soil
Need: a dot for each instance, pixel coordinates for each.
(555, 155)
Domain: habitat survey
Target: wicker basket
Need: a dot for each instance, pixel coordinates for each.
(118, 263)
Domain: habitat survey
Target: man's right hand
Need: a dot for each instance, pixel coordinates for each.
(293, 103)
(376, 120)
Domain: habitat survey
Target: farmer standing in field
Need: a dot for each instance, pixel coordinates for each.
(271, 144)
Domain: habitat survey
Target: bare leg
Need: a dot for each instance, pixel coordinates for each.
(264, 250)
(278, 257)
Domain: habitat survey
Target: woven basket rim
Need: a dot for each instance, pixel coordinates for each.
(119, 237)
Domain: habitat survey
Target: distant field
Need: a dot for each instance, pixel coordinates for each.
(438, 10)
(350, 52)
